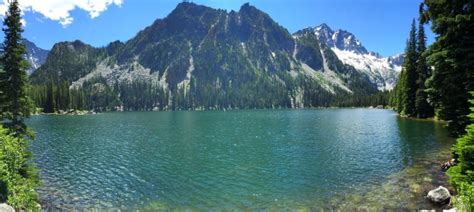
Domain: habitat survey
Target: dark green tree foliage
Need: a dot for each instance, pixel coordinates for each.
(462, 175)
(18, 178)
(53, 97)
(374, 100)
(452, 56)
(423, 108)
(407, 85)
(14, 79)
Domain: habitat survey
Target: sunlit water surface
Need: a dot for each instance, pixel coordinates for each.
(257, 159)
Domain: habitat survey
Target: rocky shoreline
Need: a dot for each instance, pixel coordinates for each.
(404, 190)
(71, 112)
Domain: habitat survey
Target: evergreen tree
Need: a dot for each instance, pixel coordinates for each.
(2, 93)
(407, 86)
(14, 79)
(423, 108)
(462, 175)
(452, 56)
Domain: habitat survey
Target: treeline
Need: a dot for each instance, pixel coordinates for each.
(143, 95)
(57, 96)
(410, 97)
(374, 100)
(98, 96)
(436, 81)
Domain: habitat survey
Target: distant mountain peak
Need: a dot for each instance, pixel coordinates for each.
(185, 6)
(36, 56)
(340, 39)
(323, 27)
(346, 40)
(383, 71)
(249, 10)
(247, 7)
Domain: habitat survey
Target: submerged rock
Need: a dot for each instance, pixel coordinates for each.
(6, 208)
(445, 166)
(440, 195)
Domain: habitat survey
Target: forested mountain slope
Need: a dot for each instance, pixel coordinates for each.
(199, 57)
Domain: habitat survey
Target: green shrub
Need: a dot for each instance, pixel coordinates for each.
(465, 199)
(461, 176)
(18, 179)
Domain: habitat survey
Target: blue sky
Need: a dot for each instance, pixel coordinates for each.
(381, 25)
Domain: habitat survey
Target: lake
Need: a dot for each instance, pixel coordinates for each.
(243, 159)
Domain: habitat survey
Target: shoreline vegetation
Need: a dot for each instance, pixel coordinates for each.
(434, 85)
(18, 175)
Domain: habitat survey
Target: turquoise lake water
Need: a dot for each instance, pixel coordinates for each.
(248, 159)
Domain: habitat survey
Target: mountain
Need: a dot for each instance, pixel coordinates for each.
(383, 71)
(36, 56)
(199, 57)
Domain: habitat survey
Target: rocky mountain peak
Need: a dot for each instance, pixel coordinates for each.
(341, 39)
(345, 40)
(36, 56)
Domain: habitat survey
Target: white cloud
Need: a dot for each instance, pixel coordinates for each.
(60, 10)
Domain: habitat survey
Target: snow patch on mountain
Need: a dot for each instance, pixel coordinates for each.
(379, 69)
(382, 71)
(35, 56)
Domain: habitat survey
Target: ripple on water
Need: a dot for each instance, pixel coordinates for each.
(236, 160)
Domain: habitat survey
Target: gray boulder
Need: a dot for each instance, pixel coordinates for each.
(6, 208)
(440, 195)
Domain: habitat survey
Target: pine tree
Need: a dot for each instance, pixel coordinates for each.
(399, 91)
(462, 175)
(423, 108)
(406, 90)
(14, 80)
(3, 99)
(452, 56)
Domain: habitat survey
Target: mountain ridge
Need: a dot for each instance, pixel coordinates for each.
(35, 56)
(383, 71)
(196, 54)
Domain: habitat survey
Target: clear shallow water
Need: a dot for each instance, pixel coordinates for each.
(225, 160)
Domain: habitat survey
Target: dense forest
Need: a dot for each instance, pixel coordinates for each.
(436, 81)
(147, 96)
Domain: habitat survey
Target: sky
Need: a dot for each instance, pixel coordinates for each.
(381, 25)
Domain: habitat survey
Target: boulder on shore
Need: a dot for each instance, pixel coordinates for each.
(440, 195)
(6, 208)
